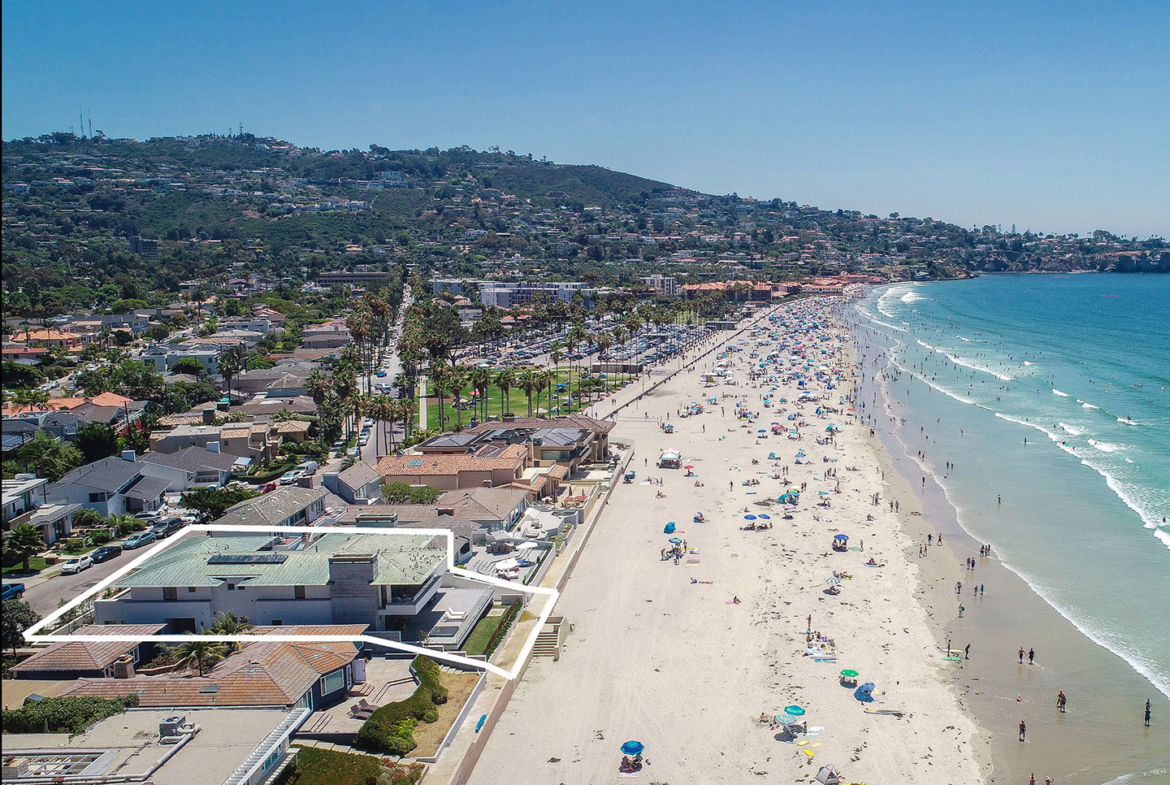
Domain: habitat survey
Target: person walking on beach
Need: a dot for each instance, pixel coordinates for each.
(1031, 656)
(1023, 730)
(1021, 655)
(1061, 700)
(967, 652)
(1147, 712)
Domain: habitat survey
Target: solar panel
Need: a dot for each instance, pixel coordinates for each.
(248, 558)
(414, 463)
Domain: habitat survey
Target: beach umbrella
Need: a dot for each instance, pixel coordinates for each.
(864, 693)
(796, 711)
(688, 466)
(849, 674)
(749, 517)
(674, 540)
(841, 537)
(764, 516)
(633, 748)
(833, 580)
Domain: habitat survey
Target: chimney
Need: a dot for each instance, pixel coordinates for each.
(509, 417)
(124, 667)
(213, 446)
(209, 416)
(129, 455)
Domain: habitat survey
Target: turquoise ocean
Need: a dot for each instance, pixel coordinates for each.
(1050, 397)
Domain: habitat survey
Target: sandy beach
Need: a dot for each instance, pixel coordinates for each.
(661, 652)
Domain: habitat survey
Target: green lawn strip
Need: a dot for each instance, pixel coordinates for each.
(327, 767)
(477, 641)
(389, 730)
(36, 564)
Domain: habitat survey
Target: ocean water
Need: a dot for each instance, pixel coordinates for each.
(1050, 395)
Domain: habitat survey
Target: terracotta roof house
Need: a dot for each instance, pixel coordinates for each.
(261, 673)
(94, 659)
(487, 466)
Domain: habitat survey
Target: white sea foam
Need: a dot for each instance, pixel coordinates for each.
(910, 297)
(934, 386)
(1164, 536)
(1058, 392)
(1106, 446)
(1027, 363)
(974, 367)
(1029, 424)
(1087, 405)
(1072, 430)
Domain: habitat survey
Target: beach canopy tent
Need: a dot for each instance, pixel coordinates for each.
(633, 748)
(841, 537)
(669, 529)
(864, 693)
(828, 776)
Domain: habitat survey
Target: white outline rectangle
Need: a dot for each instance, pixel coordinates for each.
(31, 635)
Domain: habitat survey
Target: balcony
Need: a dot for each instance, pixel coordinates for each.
(410, 606)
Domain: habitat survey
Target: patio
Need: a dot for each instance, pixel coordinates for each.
(386, 681)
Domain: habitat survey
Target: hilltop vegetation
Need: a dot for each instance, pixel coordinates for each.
(226, 206)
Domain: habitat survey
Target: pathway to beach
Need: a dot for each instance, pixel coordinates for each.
(661, 653)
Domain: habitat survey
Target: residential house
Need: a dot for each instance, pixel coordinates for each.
(91, 659)
(193, 467)
(359, 484)
(111, 486)
(313, 675)
(289, 505)
(257, 441)
(488, 465)
(371, 579)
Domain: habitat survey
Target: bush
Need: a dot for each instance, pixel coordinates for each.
(389, 730)
(73, 545)
(100, 536)
(128, 526)
(64, 715)
(86, 518)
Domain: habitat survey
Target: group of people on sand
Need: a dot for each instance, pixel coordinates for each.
(630, 765)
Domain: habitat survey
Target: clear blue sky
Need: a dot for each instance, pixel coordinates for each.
(1053, 116)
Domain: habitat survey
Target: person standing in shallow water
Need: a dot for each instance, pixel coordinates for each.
(1147, 713)
(1023, 730)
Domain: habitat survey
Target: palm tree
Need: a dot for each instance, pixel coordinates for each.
(456, 384)
(527, 381)
(480, 378)
(621, 335)
(604, 341)
(440, 372)
(317, 385)
(359, 328)
(228, 623)
(200, 653)
(407, 410)
(381, 409)
(505, 379)
(546, 380)
(33, 398)
(554, 355)
(23, 543)
(231, 362)
(48, 457)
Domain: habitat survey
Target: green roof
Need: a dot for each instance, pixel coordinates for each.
(403, 560)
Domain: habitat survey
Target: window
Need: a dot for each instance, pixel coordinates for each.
(190, 589)
(298, 592)
(170, 593)
(278, 622)
(331, 682)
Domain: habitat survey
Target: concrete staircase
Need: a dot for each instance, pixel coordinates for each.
(548, 642)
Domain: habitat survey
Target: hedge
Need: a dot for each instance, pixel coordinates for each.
(390, 729)
(502, 629)
(64, 715)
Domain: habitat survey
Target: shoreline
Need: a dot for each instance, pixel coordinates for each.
(686, 656)
(986, 685)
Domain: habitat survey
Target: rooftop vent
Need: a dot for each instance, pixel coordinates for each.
(170, 725)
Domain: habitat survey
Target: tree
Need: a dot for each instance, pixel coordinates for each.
(228, 623)
(456, 384)
(480, 378)
(528, 381)
(231, 362)
(23, 543)
(189, 365)
(48, 457)
(16, 617)
(137, 380)
(317, 385)
(157, 332)
(505, 379)
(96, 441)
(200, 653)
(212, 503)
(19, 375)
(32, 398)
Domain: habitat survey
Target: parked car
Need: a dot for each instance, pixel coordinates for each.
(291, 476)
(166, 527)
(13, 591)
(105, 553)
(267, 487)
(76, 565)
(139, 540)
(149, 516)
(309, 467)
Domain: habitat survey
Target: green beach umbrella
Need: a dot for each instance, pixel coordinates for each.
(794, 711)
(849, 674)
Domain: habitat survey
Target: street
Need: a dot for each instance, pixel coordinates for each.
(45, 596)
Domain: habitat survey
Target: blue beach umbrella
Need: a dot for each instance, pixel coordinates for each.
(633, 748)
(749, 517)
(764, 516)
(795, 711)
(841, 537)
(674, 540)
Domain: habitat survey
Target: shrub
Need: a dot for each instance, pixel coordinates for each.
(389, 730)
(86, 518)
(73, 545)
(100, 536)
(502, 629)
(64, 715)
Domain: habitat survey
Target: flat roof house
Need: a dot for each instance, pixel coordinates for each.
(204, 746)
(334, 579)
(25, 502)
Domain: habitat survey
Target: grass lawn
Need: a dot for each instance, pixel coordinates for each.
(36, 563)
(428, 736)
(477, 641)
(325, 767)
(518, 399)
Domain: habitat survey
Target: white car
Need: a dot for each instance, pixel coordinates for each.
(363, 440)
(289, 477)
(76, 565)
